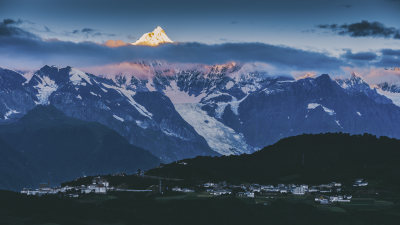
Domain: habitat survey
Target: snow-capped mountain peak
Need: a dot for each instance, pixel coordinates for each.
(354, 74)
(356, 77)
(154, 38)
(353, 82)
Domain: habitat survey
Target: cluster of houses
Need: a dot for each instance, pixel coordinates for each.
(99, 185)
(250, 190)
(185, 190)
(360, 183)
(324, 200)
(325, 193)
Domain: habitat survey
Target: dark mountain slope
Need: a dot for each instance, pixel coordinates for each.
(304, 158)
(60, 148)
(12, 163)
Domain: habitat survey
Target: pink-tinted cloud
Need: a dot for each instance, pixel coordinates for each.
(125, 68)
(115, 43)
(376, 75)
(298, 75)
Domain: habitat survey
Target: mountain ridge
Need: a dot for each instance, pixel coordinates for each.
(234, 105)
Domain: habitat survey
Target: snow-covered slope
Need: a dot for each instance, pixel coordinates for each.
(219, 137)
(394, 96)
(390, 90)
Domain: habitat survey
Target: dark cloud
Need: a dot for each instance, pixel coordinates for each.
(247, 52)
(391, 52)
(11, 21)
(21, 48)
(28, 47)
(308, 31)
(89, 32)
(9, 27)
(88, 53)
(47, 29)
(389, 58)
(388, 61)
(84, 31)
(382, 58)
(363, 29)
(347, 6)
(359, 59)
(365, 56)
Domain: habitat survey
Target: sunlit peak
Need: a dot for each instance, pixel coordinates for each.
(154, 38)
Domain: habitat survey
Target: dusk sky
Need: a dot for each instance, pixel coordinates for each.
(343, 30)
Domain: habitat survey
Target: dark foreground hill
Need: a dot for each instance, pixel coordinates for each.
(137, 208)
(308, 158)
(305, 158)
(47, 146)
(14, 168)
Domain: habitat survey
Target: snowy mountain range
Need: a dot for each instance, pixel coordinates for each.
(182, 112)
